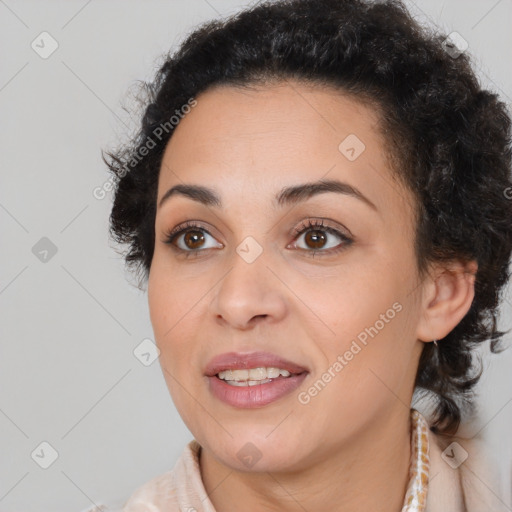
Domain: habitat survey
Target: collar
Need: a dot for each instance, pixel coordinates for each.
(416, 495)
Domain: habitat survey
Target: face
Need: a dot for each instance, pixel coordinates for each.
(272, 274)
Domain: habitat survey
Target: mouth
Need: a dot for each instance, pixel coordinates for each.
(254, 376)
(253, 379)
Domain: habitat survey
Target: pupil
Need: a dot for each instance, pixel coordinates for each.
(195, 237)
(314, 237)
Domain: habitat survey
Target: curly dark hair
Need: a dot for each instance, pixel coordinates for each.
(449, 140)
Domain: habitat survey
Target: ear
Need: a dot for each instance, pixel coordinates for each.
(447, 296)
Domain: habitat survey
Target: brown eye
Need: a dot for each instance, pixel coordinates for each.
(315, 239)
(320, 239)
(193, 239)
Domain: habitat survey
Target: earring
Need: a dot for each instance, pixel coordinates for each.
(435, 342)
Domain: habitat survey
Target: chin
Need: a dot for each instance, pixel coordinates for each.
(255, 452)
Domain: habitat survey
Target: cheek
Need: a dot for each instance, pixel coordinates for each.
(172, 301)
(173, 307)
(365, 319)
(347, 301)
(360, 380)
(173, 320)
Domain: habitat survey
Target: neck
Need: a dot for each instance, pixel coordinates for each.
(367, 473)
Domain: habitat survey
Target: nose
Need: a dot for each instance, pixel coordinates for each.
(249, 293)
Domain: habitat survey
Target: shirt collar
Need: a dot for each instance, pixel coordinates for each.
(416, 494)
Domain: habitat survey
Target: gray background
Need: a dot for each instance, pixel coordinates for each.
(70, 324)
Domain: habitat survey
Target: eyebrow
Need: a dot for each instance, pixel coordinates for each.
(287, 196)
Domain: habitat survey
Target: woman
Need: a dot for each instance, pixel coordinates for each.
(317, 200)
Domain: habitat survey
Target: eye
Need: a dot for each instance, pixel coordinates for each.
(190, 238)
(316, 237)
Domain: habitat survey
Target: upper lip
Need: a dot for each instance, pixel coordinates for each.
(247, 360)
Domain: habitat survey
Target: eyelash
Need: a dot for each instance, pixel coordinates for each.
(309, 224)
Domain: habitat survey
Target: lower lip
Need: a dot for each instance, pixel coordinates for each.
(249, 397)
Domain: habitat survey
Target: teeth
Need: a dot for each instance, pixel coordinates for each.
(273, 373)
(252, 376)
(248, 382)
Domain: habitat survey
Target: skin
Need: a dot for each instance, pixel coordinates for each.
(349, 447)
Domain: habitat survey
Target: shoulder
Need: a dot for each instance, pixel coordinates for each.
(463, 477)
(178, 490)
(156, 495)
(166, 491)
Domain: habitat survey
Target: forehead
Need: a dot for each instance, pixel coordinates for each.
(256, 141)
